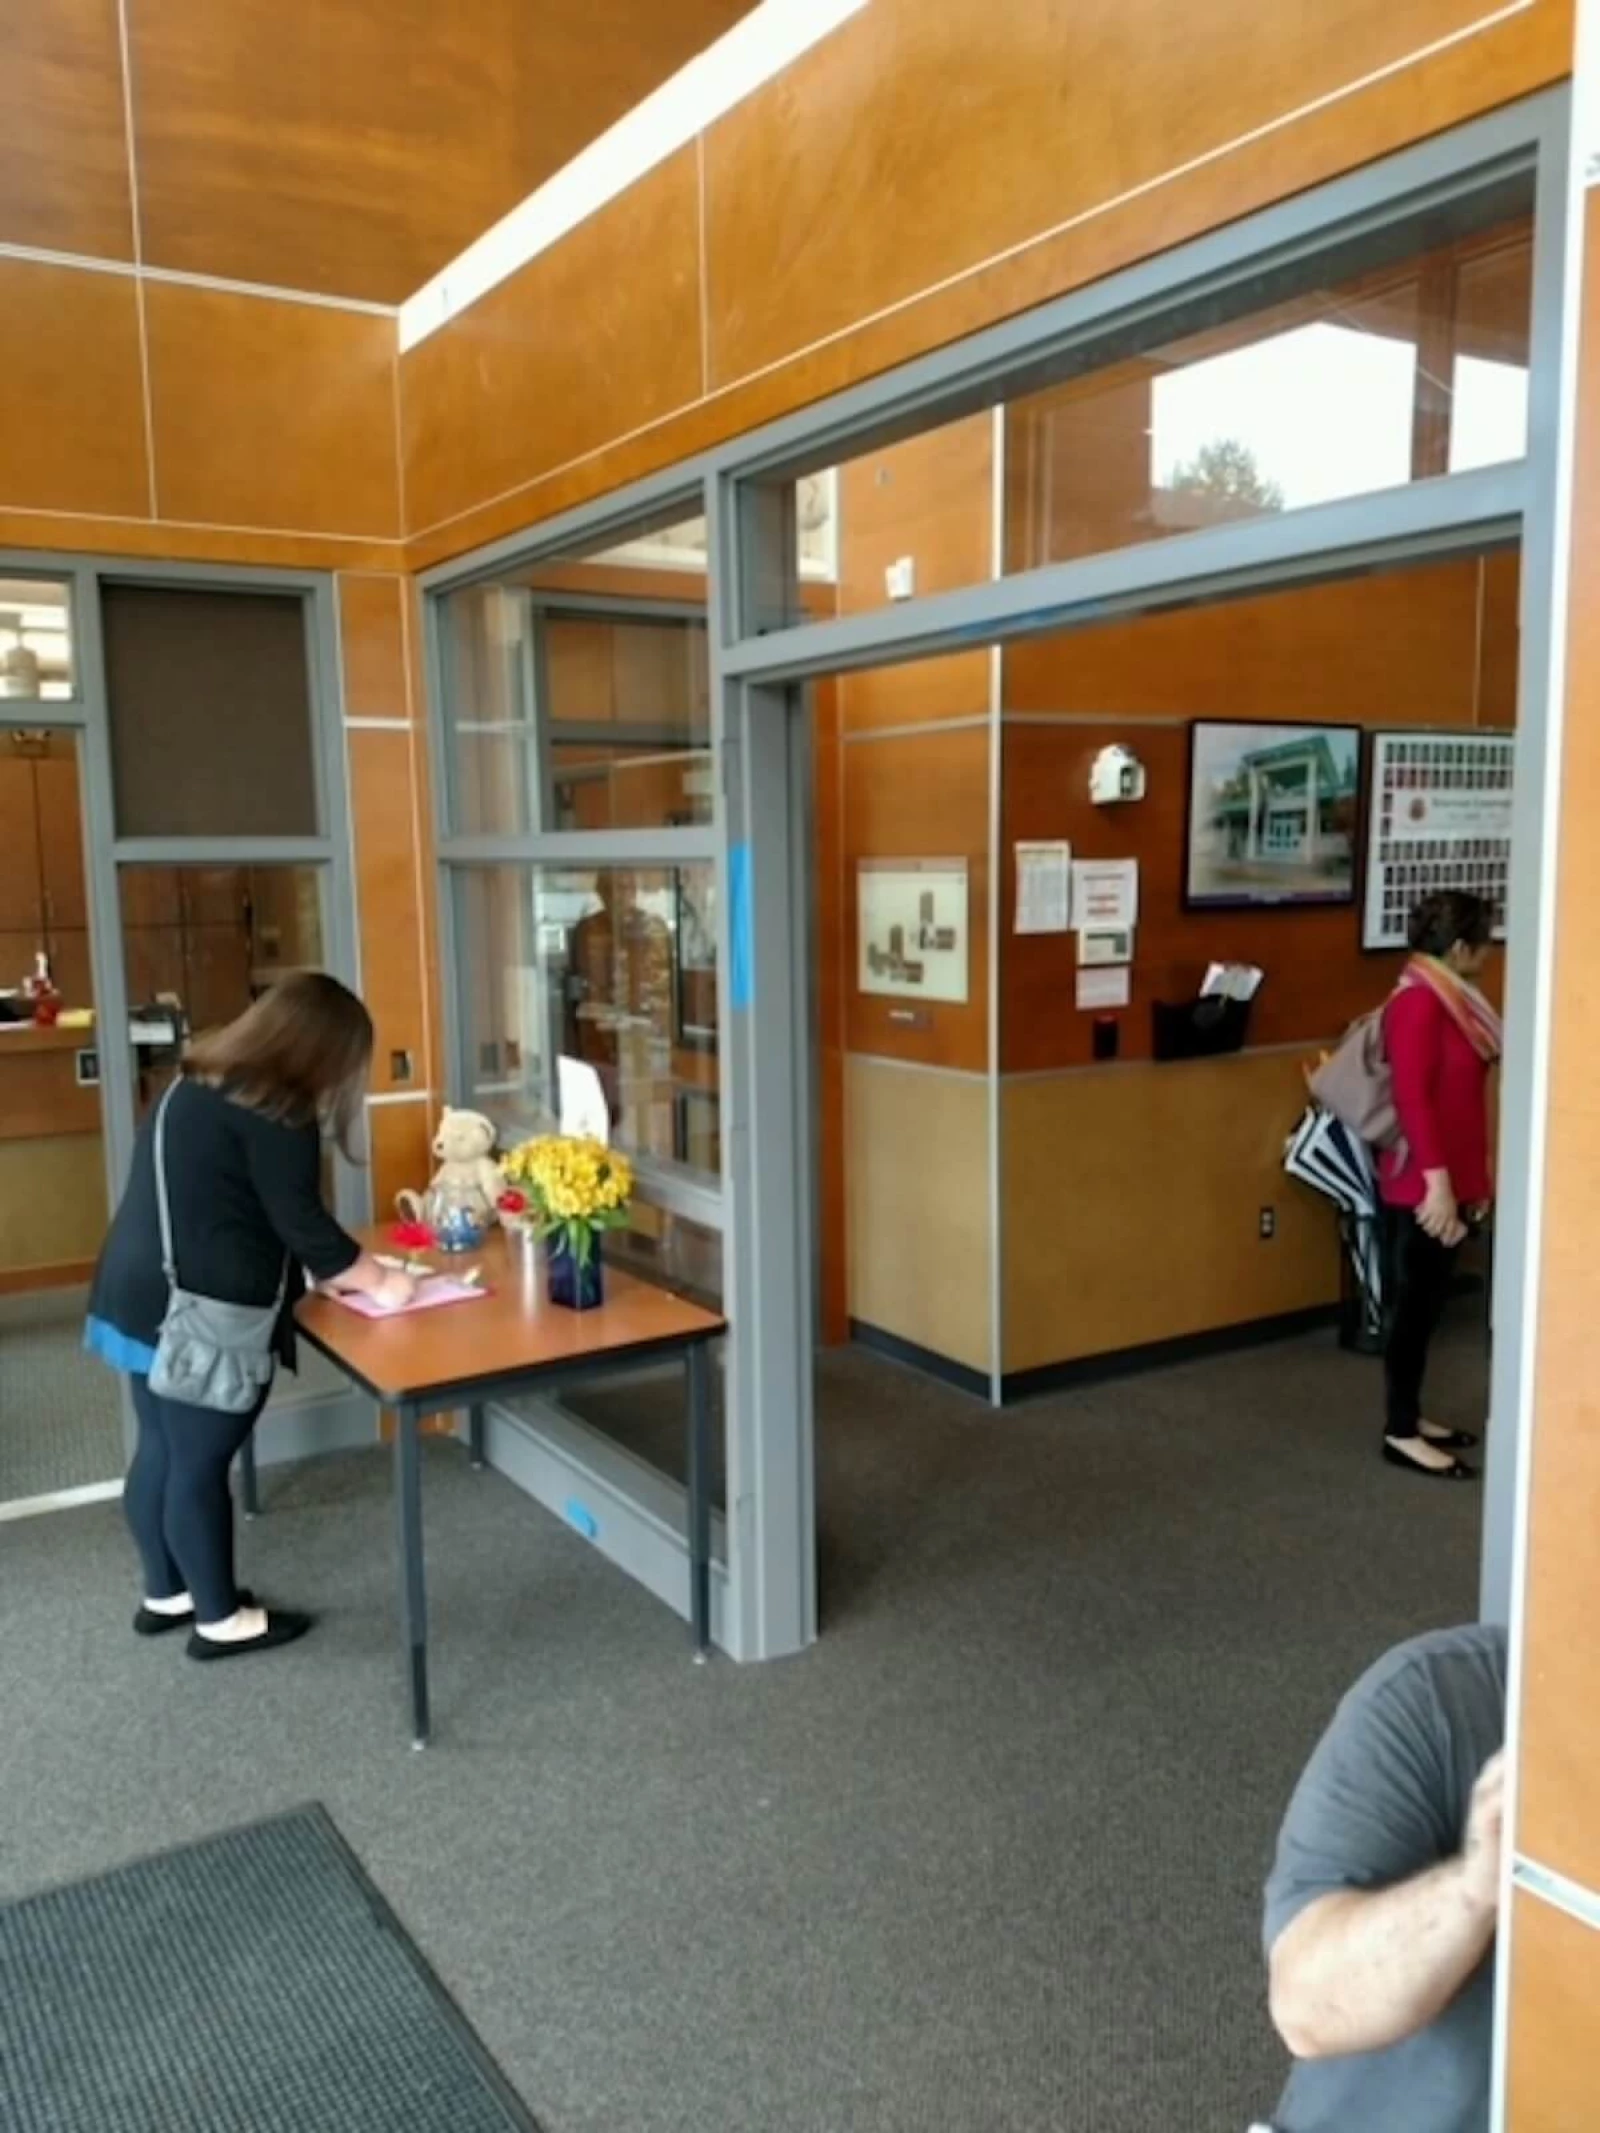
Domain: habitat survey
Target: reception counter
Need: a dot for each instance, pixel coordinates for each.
(52, 1159)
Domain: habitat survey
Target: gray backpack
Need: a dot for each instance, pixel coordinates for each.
(208, 1353)
(1354, 1083)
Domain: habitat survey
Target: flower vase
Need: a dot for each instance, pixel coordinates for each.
(575, 1285)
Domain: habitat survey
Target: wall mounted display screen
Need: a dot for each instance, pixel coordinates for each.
(1441, 819)
(1273, 815)
(912, 928)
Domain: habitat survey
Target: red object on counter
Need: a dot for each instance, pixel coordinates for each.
(46, 1007)
(512, 1203)
(413, 1236)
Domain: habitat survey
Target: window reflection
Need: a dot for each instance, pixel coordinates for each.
(613, 966)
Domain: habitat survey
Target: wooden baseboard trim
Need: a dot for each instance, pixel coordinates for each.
(21, 1280)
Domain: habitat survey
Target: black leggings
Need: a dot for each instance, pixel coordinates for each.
(1420, 1271)
(177, 1501)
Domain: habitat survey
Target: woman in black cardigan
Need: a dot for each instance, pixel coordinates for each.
(243, 1143)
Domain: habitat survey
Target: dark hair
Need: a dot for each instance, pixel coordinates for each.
(299, 1054)
(1448, 916)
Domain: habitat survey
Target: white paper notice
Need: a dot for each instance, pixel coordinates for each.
(1044, 888)
(1100, 987)
(583, 1100)
(1105, 895)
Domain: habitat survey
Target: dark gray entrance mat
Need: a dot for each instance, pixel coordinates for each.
(254, 1983)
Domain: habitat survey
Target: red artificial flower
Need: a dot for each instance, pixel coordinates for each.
(512, 1203)
(413, 1236)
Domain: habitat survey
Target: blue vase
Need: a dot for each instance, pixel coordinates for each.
(576, 1287)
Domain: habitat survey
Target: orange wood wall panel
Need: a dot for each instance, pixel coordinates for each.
(270, 413)
(72, 412)
(400, 1140)
(63, 136)
(1560, 1748)
(920, 796)
(599, 335)
(1398, 648)
(382, 807)
(357, 149)
(373, 644)
(931, 139)
(1553, 2056)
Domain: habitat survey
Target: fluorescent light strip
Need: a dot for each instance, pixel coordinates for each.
(762, 44)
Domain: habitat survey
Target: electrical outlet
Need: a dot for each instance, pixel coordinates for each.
(1269, 1224)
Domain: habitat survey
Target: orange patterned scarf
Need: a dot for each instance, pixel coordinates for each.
(1463, 1003)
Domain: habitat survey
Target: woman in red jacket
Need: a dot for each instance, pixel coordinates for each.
(1442, 1037)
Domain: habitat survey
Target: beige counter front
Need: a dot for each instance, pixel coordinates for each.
(52, 1160)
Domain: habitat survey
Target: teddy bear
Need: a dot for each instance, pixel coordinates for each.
(463, 1146)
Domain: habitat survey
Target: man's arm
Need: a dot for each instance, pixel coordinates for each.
(1359, 1970)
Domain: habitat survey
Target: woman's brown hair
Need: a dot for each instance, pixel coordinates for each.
(299, 1054)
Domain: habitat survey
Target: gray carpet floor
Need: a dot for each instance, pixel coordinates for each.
(987, 1859)
(60, 1420)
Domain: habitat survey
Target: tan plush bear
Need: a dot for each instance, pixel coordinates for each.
(463, 1146)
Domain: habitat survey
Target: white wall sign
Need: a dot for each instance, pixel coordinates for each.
(1044, 887)
(912, 929)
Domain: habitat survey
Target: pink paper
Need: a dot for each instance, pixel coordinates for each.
(437, 1289)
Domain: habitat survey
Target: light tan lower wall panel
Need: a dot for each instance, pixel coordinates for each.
(52, 1200)
(1132, 1205)
(917, 1189)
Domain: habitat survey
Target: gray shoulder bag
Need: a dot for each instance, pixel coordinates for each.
(208, 1353)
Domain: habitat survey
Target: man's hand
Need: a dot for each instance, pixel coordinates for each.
(1480, 1850)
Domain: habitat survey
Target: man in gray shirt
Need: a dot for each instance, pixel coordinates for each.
(1381, 1906)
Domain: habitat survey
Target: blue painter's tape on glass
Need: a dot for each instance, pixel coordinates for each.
(741, 924)
(582, 1519)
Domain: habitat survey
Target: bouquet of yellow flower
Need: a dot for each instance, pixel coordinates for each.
(576, 1189)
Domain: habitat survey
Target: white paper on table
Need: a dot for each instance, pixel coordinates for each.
(1044, 887)
(584, 1111)
(1105, 895)
(1104, 985)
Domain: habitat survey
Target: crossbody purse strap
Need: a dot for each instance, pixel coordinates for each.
(169, 1259)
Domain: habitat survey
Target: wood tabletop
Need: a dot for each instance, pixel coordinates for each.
(515, 1331)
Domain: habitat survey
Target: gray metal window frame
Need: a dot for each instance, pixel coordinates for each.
(763, 657)
(87, 715)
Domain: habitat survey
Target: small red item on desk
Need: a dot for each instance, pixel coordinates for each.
(512, 1203)
(413, 1236)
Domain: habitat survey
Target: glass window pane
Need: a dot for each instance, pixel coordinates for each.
(201, 943)
(35, 640)
(1391, 359)
(626, 733)
(210, 711)
(612, 965)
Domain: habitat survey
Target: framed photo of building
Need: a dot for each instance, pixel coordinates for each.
(1440, 819)
(1274, 814)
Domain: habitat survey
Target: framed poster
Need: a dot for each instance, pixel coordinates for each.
(1440, 819)
(911, 922)
(1273, 815)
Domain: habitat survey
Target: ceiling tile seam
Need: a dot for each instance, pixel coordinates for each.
(181, 278)
(1004, 257)
(136, 223)
(705, 289)
(204, 525)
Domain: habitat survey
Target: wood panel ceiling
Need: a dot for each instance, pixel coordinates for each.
(351, 147)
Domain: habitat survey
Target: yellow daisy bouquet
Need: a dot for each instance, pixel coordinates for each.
(575, 1189)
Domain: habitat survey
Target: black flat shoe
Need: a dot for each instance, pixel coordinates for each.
(147, 1623)
(1455, 1471)
(1449, 1440)
(284, 1626)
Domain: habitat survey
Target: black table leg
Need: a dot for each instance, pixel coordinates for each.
(413, 1599)
(698, 1365)
(249, 1491)
(475, 1426)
